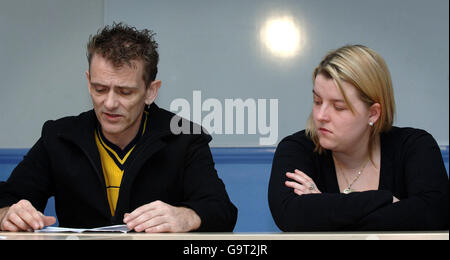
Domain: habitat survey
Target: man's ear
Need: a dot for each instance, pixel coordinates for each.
(88, 77)
(152, 92)
(374, 112)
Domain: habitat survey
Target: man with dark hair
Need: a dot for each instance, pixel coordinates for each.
(120, 162)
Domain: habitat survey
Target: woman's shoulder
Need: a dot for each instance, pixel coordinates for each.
(398, 136)
(299, 136)
(404, 132)
(298, 140)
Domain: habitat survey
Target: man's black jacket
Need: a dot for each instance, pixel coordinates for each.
(65, 163)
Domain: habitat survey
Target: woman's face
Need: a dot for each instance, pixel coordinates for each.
(338, 128)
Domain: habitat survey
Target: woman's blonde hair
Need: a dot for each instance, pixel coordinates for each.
(367, 71)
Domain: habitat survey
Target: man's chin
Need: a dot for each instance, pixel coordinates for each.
(109, 129)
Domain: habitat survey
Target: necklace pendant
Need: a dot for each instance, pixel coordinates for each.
(348, 190)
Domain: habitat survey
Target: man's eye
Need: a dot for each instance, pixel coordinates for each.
(100, 90)
(126, 92)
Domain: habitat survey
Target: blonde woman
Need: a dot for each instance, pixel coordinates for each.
(351, 169)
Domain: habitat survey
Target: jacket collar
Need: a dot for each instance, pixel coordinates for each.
(81, 130)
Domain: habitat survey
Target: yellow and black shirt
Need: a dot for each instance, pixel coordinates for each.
(114, 159)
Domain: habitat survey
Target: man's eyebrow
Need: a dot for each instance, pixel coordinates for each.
(103, 85)
(98, 84)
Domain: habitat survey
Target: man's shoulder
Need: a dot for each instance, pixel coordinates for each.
(168, 121)
(68, 122)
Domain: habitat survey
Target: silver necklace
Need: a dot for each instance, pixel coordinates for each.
(349, 190)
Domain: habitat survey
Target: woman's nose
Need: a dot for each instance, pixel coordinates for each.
(322, 114)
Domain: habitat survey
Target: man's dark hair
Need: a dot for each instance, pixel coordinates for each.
(121, 44)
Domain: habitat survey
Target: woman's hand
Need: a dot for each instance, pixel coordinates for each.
(301, 183)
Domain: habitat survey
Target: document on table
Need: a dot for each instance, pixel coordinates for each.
(110, 229)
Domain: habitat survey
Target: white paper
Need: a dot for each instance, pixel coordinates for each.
(116, 228)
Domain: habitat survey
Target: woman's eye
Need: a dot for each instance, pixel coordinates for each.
(338, 108)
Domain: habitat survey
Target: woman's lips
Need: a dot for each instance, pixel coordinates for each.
(324, 130)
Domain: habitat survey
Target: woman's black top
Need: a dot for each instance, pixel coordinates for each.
(412, 170)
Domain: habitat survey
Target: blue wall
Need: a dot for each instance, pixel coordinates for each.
(245, 172)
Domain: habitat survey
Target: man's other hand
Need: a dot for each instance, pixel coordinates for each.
(159, 217)
(22, 216)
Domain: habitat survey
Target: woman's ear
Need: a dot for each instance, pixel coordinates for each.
(374, 113)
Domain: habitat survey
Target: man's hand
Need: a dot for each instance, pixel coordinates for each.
(158, 217)
(22, 216)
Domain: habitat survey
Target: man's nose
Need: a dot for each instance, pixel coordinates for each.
(111, 101)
